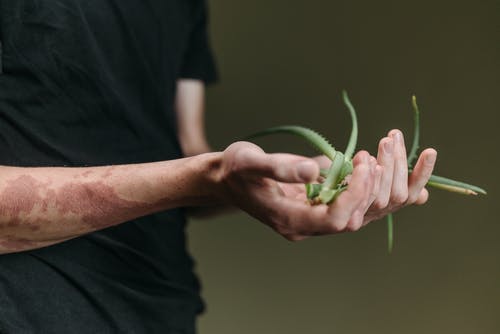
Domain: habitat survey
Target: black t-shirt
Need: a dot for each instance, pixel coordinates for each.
(87, 83)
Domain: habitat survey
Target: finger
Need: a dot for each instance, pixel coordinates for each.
(323, 161)
(423, 197)
(399, 190)
(356, 222)
(374, 196)
(357, 218)
(371, 192)
(385, 158)
(421, 174)
(378, 170)
(356, 195)
(279, 166)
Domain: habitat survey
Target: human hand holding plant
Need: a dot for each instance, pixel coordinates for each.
(394, 189)
(270, 188)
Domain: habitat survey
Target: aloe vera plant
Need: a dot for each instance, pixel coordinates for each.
(341, 163)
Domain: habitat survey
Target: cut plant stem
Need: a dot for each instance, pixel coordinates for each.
(332, 180)
(416, 132)
(353, 139)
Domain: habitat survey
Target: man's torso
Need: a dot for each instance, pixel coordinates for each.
(92, 82)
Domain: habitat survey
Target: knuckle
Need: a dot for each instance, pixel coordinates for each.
(423, 197)
(338, 226)
(353, 227)
(399, 198)
(411, 199)
(380, 204)
(355, 223)
(421, 202)
(245, 156)
(237, 164)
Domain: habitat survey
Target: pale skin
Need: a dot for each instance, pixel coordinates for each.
(44, 206)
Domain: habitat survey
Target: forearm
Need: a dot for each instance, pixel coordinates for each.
(43, 206)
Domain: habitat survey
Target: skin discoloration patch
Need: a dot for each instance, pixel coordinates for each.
(12, 243)
(37, 225)
(92, 201)
(32, 209)
(20, 197)
(49, 194)
(95, 202)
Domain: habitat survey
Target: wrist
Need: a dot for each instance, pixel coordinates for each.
(211, 185)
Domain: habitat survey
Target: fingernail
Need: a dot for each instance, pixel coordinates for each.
(388, 147)
(305, 170)
(397, 136)
(430, 159)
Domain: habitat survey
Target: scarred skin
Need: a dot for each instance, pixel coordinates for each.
(44, 206)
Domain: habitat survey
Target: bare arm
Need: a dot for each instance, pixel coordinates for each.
(44, 206)
(190, 110)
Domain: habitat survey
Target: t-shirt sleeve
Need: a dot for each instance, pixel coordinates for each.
(199, 62)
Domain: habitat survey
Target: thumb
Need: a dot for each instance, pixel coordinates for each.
(281, 167)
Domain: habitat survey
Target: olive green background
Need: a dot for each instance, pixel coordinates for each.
(286, 62)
